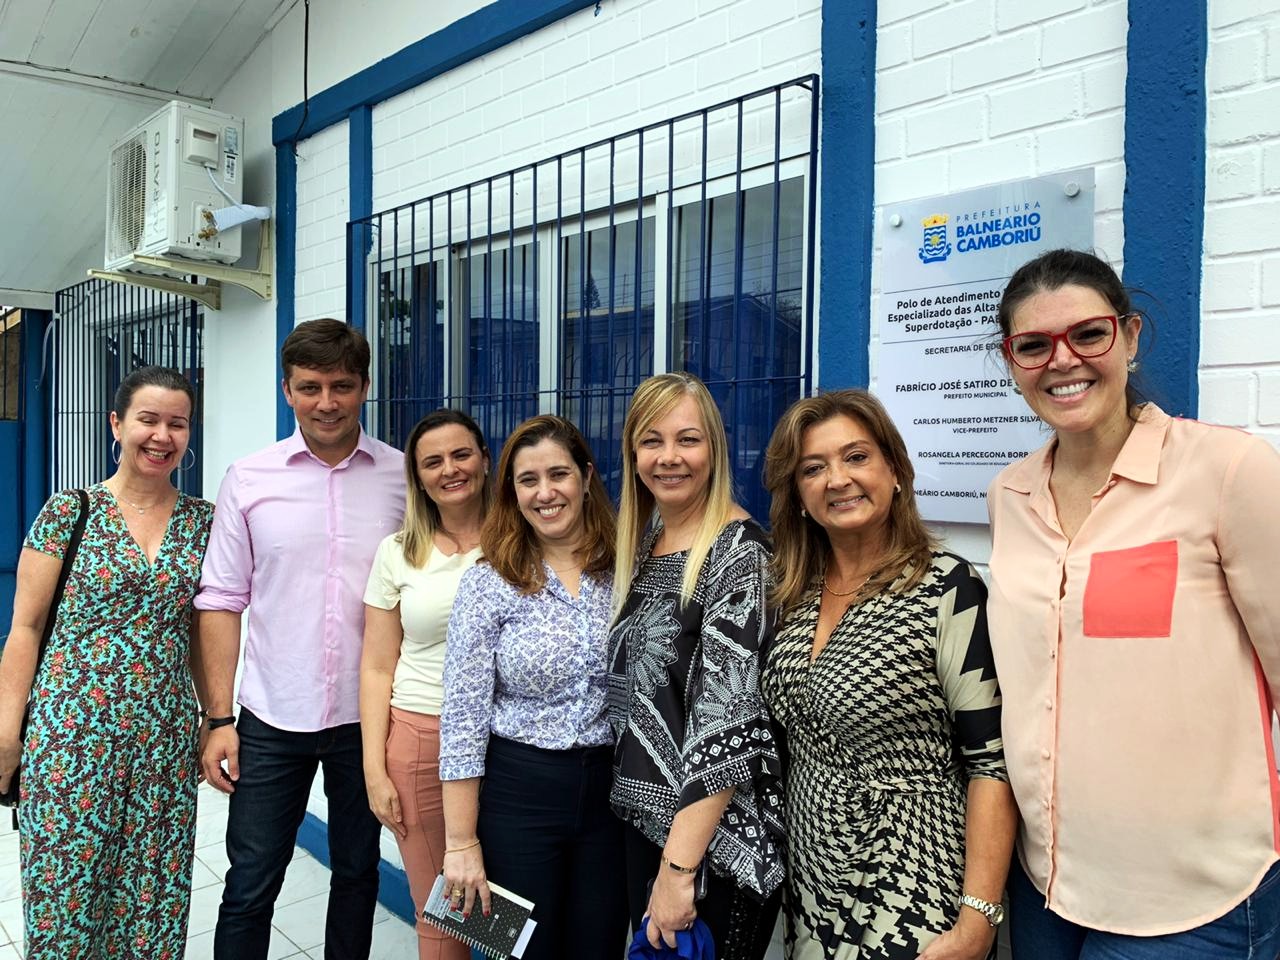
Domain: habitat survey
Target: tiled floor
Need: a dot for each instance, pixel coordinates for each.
(298, 928)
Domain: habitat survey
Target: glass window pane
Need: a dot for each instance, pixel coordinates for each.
(607, 330)
(410, 344)
(743, 339)
(501, 333)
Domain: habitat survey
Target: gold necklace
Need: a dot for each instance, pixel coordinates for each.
(140, 509)
(850, 593)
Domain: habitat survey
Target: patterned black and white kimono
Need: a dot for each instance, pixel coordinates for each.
(685, 703)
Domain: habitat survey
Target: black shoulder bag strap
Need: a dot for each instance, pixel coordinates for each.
(68, 560)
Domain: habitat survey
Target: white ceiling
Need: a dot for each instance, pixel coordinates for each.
(74, 76)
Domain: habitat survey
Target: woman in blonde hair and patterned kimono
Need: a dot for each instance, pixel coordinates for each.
(697, 772)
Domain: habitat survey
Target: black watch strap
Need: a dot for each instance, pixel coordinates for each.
(216, 722)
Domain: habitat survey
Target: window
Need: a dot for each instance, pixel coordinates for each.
(606, 334)
(500, 329)
(410, 361)
(560, 286)
(102, 332)
(737, 311)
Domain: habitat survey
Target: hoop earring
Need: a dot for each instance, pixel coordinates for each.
(804, 512)
(1132, 365)
(116, 451)
(897, 488)
(183, 467)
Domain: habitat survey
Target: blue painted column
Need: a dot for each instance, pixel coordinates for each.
(847, 199)
(36, 404)
(23, 461)
(11, 531)
(286, 269)
(1164, 157)
(360, 203)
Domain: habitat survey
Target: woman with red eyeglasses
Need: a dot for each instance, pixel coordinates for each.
(1135, 622)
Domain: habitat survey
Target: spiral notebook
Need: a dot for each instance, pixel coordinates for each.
(504, 933)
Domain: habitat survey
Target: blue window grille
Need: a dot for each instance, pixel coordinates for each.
(560, 285)
(102, 332)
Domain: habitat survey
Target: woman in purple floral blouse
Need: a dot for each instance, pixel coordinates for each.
(525, 745)
(108, 790)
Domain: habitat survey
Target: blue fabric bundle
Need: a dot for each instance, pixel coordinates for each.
(692, 944)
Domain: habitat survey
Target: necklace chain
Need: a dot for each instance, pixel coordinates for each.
(138, 507)
(848, 593)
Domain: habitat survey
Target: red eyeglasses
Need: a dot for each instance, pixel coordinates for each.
(1087, 339)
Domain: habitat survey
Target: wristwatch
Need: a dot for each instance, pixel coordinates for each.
(993, 912)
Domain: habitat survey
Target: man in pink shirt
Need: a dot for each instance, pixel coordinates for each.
(294, 535)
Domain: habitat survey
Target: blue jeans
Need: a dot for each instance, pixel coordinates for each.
(269, 803)
(1249, 932)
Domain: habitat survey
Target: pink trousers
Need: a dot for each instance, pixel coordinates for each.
(413, 763)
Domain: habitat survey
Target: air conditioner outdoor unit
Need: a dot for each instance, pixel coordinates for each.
(165, 174)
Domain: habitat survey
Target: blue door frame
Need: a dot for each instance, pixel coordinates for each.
(23, 462)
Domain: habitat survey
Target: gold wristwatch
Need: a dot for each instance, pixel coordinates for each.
(993, 912)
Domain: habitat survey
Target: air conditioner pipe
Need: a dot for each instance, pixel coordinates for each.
(226, 218)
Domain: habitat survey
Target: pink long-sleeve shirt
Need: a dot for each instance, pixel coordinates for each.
(1139, 664)
(293, 540)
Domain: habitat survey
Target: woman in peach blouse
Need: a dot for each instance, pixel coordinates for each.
(1135, 621)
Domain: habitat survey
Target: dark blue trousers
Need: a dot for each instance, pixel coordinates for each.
(269, 803)
(548, 835)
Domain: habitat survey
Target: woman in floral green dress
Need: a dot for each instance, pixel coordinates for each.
(108, 789)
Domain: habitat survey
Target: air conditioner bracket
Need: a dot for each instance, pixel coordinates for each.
(215, 274)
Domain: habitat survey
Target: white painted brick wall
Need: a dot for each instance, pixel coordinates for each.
(972, 92)
(997, 90)
(588, 77)
(1240, 330)
(1269, 399)
(323, 205)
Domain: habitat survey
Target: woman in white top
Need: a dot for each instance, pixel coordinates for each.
(410, 593)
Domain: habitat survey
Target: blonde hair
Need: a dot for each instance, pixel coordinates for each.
(652, 401)
(421, 514)
(507, 540)
(800, 546)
